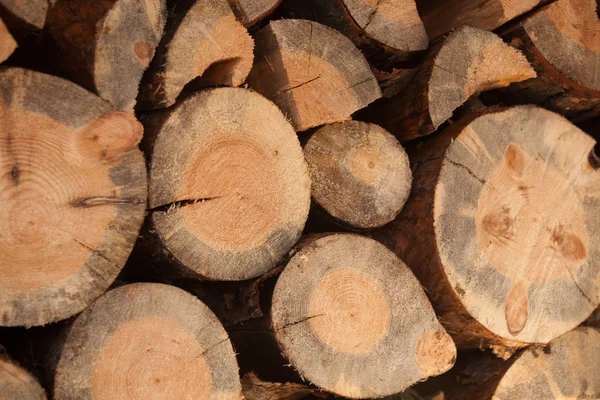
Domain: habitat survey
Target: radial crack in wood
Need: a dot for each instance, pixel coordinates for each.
(353, 320)
(502, 227)
(313, 73)
(229, 187)
(360, 173)
(467, 62)
(106, 45)
(73, 196)
(220, 52)
(249, 12)
(160, 337)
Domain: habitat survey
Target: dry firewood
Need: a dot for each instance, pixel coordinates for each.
(353, 320)
(312, 72)
(17, 383)
(562, 43)
(229, 188)
(387, 32)
(502, 227)
(249, 12)
(25, 15)
(73, 196)
(145, 341)
(7, 42)
(360, 173)
(467, 62)
(440, 17)
(202, 39)
(106, 45)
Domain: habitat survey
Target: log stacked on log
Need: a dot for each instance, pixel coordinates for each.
(562, 43)
(17, 383)
(509, 201)
(229, 190)
(66, 157)
(297, 68)
(467, 62)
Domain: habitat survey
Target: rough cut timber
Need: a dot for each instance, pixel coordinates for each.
(467, 62)
(229, 188)
(106, 45)
(360, 173)
(146, 341)
(7, 42)
(249, 12)
(28, 14)
(440, 17)
(502, 228)
(18, 383)
(313, 73)
(562, 43)
(386, 31)
(353, 320)
(202, 39)
(256, 389)
(565, 369)
(72, 195)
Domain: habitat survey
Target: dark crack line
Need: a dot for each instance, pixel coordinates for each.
(299, 322)
(466, 169)
(451, 72)
(212, 347)
(594, 305)
(181, 203)
(372, 15)
(95, 251)
(96, 201)
(302, 84)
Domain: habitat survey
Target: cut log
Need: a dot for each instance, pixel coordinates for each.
(229, 187)
(565, 369)
(29, 14)
(353, 320)
(107, 45)
(17, 383)
(442, 17)
(388, 32)
(360, 173)
(146, 341)
(502, 228)
(467, 62)
(562, 43)
(73, 195)
(256, 389)
(7, 43)
(249, 12)
(220, 52)
(296, 68)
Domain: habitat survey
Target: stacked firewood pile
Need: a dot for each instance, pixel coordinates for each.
(266, 199)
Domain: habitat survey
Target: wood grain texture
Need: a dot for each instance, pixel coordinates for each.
(313, 73)
(17, 383)
(202, 40)
(467, 62)
(360, 173)
(160, 337)
(73, 196)
(249, 12)
(106, 45)
(505, 227)
(440, 18)
(353, 320)
(7, 42)
(229, 187)
(561, 41)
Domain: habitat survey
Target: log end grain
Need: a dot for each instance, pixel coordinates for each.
(353, 320)
(31, 13)
(7, 43)
(229, 186)
(518, 197)
(311, 84)
(73, 196)
(162, 339)
(249, 12)
(18, 383)
(360, 173)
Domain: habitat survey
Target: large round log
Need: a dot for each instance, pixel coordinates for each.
(502, 228)
(146, 341)
(73, 195)
(229, 188)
